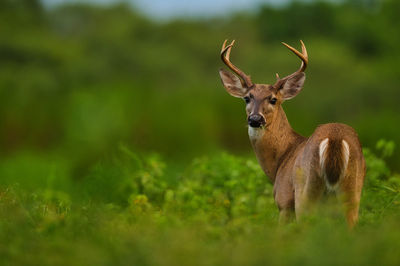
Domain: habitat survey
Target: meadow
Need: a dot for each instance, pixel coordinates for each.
(119, 145)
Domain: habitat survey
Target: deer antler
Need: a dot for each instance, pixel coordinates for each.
(304, 62)
(225, 53)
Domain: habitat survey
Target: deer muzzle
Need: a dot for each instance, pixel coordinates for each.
(256, 120)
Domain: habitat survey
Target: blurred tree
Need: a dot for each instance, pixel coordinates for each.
(296, 20)
(79, 78)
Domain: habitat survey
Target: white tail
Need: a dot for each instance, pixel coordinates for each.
(333, 161)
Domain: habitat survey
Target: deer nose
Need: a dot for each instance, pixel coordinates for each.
(256, 120)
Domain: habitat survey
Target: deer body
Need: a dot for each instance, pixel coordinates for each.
(301, 169)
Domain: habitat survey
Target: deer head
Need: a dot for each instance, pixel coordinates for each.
(262, 100)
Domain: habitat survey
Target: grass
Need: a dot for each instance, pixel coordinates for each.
(219, 210)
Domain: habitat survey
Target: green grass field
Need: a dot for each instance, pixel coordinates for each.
(218, 210)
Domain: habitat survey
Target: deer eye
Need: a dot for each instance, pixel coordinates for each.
(272, 101)
(246, 99)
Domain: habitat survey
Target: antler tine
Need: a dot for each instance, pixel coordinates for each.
(303, 56)
(224, 45)
(304, 50)
(228, 48)
(304, 62)
(225, 54)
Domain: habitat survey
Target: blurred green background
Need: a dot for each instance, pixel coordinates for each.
(77, 79)
(119, 145)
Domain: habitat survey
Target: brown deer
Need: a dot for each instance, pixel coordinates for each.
(302, 169)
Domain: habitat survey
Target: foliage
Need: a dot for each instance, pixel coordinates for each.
(382, 186)
(219, 210)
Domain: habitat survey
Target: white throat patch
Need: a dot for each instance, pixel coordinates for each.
(255, 133)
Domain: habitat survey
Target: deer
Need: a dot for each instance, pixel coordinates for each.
(302, 169)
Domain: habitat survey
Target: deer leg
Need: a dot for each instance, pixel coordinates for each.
(286, 216)
(351, 199)
(351, 202)
(300, 206)
(307, 196)
(352, 213)
(284, 198)
(303, 204)
(350, 190)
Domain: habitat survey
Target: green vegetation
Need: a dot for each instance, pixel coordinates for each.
(119, 146)
(219, 210)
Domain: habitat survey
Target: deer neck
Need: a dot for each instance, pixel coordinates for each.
(273, 143)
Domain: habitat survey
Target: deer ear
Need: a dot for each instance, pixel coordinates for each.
(232, 84)
(293, 86)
